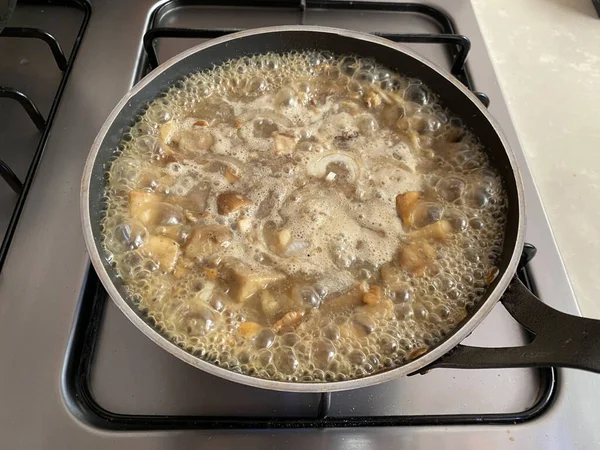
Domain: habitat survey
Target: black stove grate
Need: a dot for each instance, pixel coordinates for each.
(81, 350)
(21, 187)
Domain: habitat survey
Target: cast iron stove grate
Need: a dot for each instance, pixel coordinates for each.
(43, 124)
(81, 352)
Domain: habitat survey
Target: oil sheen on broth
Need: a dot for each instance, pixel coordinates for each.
(303, 217)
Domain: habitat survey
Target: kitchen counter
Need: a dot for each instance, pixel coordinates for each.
(547, 57)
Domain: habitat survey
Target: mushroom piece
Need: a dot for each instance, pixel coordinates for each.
(284, 143)
(269, 305)
(138, 200)
(373, 296)
(162, 250)
(405, 205)
(207, 240)
(416, 256)
(249, 329)
(246, 281)
(290, 319)
(345, 301)
(231, 201)
(439, 231)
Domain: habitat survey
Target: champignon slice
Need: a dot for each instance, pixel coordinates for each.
(372, 99)
(244, 225)
(231, 201)
(161, 213)
(138, 200)
(276, 239)
(290, 319)
(246, 281)
(165, 134)
(199, 195)
(347, 300)
(207, 240)
(416, 256)
(231, 175)
(193, 140)
(439, 231)
(162, 250)
(373, 296)
(193, 210)
(405, 205)
(284, 143)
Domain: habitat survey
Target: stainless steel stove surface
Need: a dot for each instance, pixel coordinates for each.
(76, 374)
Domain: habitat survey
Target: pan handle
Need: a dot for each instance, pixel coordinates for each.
(561, 340)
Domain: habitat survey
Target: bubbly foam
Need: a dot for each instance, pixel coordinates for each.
(353, 136)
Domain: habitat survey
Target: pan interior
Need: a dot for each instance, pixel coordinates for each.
(284, 41)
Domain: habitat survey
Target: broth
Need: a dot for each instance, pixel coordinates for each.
(303, 217)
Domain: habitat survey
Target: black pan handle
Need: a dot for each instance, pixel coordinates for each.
(561, 340)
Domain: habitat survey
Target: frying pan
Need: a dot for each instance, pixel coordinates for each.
(6, 9)
(561, 340)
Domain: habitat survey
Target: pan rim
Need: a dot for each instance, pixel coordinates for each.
(459, 334)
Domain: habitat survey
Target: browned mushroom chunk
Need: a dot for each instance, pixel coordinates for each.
(405, 205)
(373, 296)
(231, 201)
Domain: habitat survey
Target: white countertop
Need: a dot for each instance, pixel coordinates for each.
(547, 57)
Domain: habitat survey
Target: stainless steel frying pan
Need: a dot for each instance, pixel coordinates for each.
(561, 340)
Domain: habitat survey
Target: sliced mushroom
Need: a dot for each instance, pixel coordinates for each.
(439, 231)
(290, 319)
(276, 239)
(244, 225)
(346, 301)
(165, 134)
(284, 143)
(246, 281)
(199, 195)
(231, 175)
(162, 250)
(416, 256)
(372, 99)
(207, 240)
(373, 296)
(231, 201)
(405, 205)
(138, 200)
(193, 140)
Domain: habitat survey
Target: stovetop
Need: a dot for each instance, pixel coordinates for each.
(76, 373)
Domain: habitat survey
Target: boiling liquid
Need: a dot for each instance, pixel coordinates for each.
(320, 146)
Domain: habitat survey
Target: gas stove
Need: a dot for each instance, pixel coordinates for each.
(77, 374)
